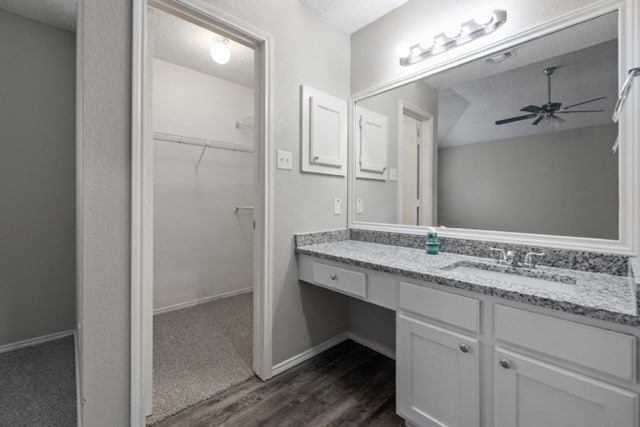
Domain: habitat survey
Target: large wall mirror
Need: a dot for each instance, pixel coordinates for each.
(518, 141)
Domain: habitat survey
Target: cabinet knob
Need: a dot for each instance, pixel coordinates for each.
(334, 276)
(505, 363)
(464, 348)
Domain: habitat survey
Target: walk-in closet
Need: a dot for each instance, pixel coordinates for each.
(202, 103)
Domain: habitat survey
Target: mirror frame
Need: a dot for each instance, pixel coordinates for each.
(629, 133)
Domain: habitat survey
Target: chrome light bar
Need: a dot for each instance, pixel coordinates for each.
(469, 30)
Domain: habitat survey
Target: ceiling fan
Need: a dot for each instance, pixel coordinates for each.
(550, 109)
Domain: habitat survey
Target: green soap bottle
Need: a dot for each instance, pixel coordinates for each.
(433, 244)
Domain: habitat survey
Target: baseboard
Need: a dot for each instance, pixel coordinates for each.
(200, 301)
(373, 345)
(34, 341)
(308, 354)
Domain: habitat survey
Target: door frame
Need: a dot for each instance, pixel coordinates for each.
(426, 120)
(204, 14)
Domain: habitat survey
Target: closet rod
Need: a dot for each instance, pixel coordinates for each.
(201, 142)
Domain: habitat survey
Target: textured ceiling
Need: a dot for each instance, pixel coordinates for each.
(473, 96)
(586, 34)
(351, 15)
(183, 43)
(469, 110)
(58, 13)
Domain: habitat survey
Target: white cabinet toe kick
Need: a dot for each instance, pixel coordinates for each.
(466, 359)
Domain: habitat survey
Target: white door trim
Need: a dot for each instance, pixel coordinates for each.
(202, 13)
(628, 241)
(426, 128)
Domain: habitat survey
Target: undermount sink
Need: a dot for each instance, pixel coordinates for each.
(517, 276)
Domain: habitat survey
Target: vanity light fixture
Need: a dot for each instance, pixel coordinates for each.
(469, 30)
(220, 51)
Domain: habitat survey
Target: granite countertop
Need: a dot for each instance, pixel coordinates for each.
(597, 295)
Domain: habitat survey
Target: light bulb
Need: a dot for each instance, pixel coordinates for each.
(439, 39)
(426, 43)
(483, 18)
(402, 51)
(452, 32)
(220, 51)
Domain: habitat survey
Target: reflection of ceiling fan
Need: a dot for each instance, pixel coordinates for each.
(550, 109)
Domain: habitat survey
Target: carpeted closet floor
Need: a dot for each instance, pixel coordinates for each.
(200, 351)
(38, 385)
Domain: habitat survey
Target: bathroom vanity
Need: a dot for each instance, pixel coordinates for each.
(502, 149)
(471, 350)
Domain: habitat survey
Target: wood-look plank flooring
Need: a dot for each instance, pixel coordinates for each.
(346, 385)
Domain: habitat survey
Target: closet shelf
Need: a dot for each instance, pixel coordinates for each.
(247, 121)
(202, 142)
(243, 209)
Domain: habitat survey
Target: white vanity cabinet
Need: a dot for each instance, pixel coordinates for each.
(531, 393)
(438, 375)
(437, 368)
(467, 359)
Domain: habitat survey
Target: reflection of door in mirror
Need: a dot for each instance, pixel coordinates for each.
(416, 147)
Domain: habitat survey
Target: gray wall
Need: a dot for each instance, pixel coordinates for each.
(37, 179)
(564, 183)
(380, 198)
(304, 315)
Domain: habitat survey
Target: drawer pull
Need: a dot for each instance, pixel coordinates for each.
(334, 276)
(464, 348)
(505, 363)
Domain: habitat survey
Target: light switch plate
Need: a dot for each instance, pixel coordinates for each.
(285, 160)
(337, 206)
(359, 207)
(393, 174)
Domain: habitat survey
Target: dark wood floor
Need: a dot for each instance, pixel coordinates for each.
(346, 385)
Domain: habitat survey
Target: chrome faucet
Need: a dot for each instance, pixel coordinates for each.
(530, 259)
(509, 258)
(505, 258)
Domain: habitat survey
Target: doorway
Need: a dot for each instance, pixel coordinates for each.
(416, 154)
(201, 205)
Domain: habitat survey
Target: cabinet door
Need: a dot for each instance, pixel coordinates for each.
(437, 375)
(530, 393)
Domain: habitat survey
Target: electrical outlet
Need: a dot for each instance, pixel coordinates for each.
(337, 206)
(285, 160)
(359, 207)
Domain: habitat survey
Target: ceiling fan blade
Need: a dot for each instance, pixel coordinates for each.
(531, 109)
(515, 119)
(584, 102)
(580, 111)
(538, 120)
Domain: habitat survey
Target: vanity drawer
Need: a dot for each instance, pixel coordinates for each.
(346, 281)
(605, 351)
(446, 307)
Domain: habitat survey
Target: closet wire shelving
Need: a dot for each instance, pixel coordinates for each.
(202, 142)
